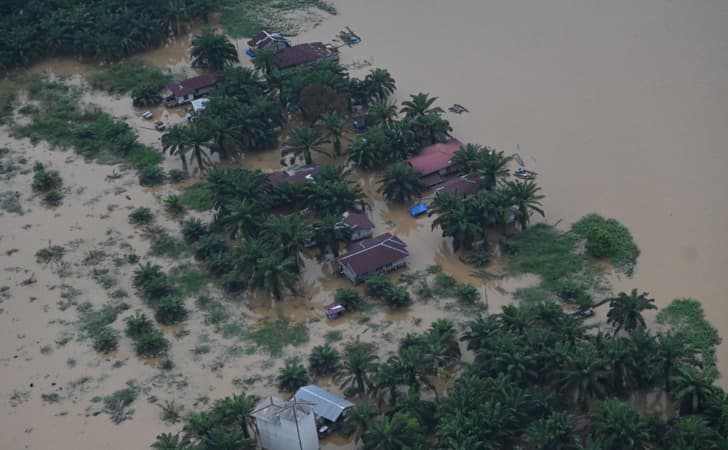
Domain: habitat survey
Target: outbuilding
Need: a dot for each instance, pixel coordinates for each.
(380, 254)
(303, 55)
(285, 425)
(433, 162)
(187, 90)
(268, 41)
(329, 408)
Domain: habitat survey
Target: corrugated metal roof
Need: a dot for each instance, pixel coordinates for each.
(327, 405)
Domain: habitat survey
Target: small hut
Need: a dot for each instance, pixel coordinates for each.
(285, 425)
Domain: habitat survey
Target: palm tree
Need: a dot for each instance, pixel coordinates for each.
(198, 138)
(329, 233)
(619, 426)
(265, 61)
(221, 438)
(292, 376)
(241, 218)
(458, 224)
(467, 159)
(169, 441)
(175, 141)
(401, 183)
(431, 128)
(383, 113)
(419, 105)
(327, 198)
(625, 310)
(387, 380)
(289, 233)
(492, 166)
(554, 432)
(199, 425)
(673, 349)
(401, 431)
(480, 332)
(692, 432)
(525, 197)
(334, 126)
(358, 419)
(379, 84)
(235, 411)
(357, 366)
(585, 374)
(274, 275)
(692, 390)
(323, 360)
(304, 140)
(440, 344)
(212, 51)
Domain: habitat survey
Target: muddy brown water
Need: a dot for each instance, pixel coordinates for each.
(620, 107)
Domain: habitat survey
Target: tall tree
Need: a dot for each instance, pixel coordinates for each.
(379, 84)
(419, 105)
(458, 224)
(585, 374)
(625, 310)
(274, 274)
(212, 51)
(492, 166)
(357, 366)
(304, 140)
(401, 431)
(334, 127)
(198, 140)
(175, 141)
(526, 198)
(401, 183)
(383, 114)
(619, 426)
(693, 390)
(289, 233)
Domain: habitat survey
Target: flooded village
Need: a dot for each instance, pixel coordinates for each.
(152, 307)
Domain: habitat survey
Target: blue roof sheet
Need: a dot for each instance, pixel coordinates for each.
(417, 210)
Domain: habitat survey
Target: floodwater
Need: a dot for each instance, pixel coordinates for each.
(620, 107)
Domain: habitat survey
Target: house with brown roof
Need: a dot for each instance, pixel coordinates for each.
(308, 54)
(268, 41)
(380, 254)
(187, 90)
(460, 187)
(433, 162)
(359, 224)
(297, 175)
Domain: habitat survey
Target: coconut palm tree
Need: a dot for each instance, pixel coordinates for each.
(212, 51)
(458, 224)
(274, 274)
(401, 183)
(692, 390)
(292, 376)
(357, 366)
(585, 374)
(379, 84)
(492, 166)
(303, 141)
(334, 126)
(176, 142)
(625, 310)
(526, 198)
(419, 105)
(323, 360)
(617, 425)
(383, 114)
(398, 432)
(289, 233)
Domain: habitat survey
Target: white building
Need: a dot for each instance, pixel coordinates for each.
(285, 425)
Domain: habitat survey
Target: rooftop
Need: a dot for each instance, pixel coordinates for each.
(327, 405)
(263, 38)
(273, 409)
(435, 157)
(190, 85)
(303, 54)
(371, 254)
(297, 175)
(357, 221)
(460, 186)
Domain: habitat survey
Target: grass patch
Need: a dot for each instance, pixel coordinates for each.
(117, 404)
(126, 76)
(248, 17)
(215, 312)
(274, 336)
(166, 245)
(607, 238)
(189, 280)
(686, 316)
(197, 198)
(7, 98)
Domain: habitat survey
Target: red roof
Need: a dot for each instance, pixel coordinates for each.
(297, 176)
(190, 85)
(461, 187)
(370, 255)
(303, 54)
(435, 157)
(357, 221)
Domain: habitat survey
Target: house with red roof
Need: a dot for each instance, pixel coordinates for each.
(297, 175)
(380, 254)
(460, 187)
(433, 162)
(302, 55)
(187, 90)
(359, 224)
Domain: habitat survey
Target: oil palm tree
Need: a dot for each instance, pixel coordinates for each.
(617, 425)
(371, 150)
(265, 61)
(198, 139)
(212, 51)
(274, 274)
(492, 166)
(673, 350)
(387, 381)
(357, 366)
(526, 198)
(398, 432)
(303, 141)
(383, 114)
(329, 233)
(334, 197)
(169, 441)
(239, 218)
(221, 438)
(458, 224)
(358, 419)
(554, 432)
(585, 374)
(289, 233)
(691, 432)
(401, 183)
(176, 142)
(334, 127)
(431, 128)
(467, 159)
(692, 390)
(379, 84)
(292, 376)
(419, 105)
(625, 310)
(323, 360)
(234, 411)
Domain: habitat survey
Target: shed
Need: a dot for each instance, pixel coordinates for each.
(359, 224)
(326, 404)
(187, 90)
(285, 425)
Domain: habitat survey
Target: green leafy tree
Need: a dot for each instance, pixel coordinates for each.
(334, 126)
(304, 140)
(358, 419)
(398, 432)
(379, 84)
(292, 376)
(289, 233)
(212, 51)
(526, 198)
(625, 310)
(383, 114)
(419, 105)
(458, 224)
(323, 360)
(554, 432)
(693, 390)
(619, 426)
(273, 275)
(585, 375)
(401, 183)
(492, 166)
(234, 412)
(358, 365)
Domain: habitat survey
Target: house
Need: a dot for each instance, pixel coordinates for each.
(359, 224)
(329, 408)
(305, 55)
(268, 41)
(460, 187)
(380, 254)
(187, 90)
(285, 425)
(297, 176)
(433, 162)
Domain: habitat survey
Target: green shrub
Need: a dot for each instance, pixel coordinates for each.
(445, 285)
(607, 238)
(151, 344)
(323, 360)
(170, 310)
(232, 283)
(105, 340)
(151, 176)
(220, 264)
(53, 198)
(137, 325)
(176, 175)
(208, 246)
(397, 297)
(173, 205)
(348, 297)
(467, 293)
(141, 216)
(128, 75)
(197, 198)
(146, 95)
(378, 285)
(45, 180)
(686, 316)
(193, 230)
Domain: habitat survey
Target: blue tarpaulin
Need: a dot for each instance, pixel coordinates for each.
(417, 210)
(250, 53)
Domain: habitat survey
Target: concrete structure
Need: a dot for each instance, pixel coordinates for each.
(302, 55)
(187, 90)
(380, 254)
(285, 425)
(359, 224)
(433, 162)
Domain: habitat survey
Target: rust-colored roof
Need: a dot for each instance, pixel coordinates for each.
(371, 254)
(190, 85)
(357, 221)
(462, 187)
(435, 157)
(303, 54)
(297, 176)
